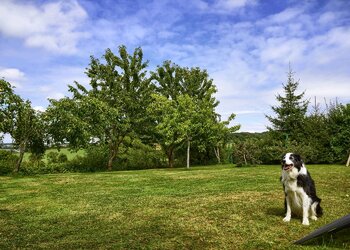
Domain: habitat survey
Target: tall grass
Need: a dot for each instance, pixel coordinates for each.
(201, 208)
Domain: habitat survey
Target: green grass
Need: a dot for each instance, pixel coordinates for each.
(202, 208)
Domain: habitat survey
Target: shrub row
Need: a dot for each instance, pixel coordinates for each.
(95, 159)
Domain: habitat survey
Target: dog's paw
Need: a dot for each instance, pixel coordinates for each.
(306, 222)
(286, 219)
(313, 218)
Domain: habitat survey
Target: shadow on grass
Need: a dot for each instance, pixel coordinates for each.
(336, 239)
(275, 211)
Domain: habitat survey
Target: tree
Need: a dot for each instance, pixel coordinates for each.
(317, 136)
(178, 122)
(338, 121)
(163, 112)
(290, 113)
(173, 80)
(247, 152)
(168, 78)
(64, 122)
(112, 109)
(221, 133)
(7, 100)
(187, 93)
(20, 120)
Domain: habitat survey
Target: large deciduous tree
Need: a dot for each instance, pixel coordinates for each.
(184, 109)
(112, 108)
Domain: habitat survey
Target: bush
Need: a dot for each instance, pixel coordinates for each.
(52, 157)
(95, 159)
(7, 162)
(62, 158)
(247, 153)
(140, 156)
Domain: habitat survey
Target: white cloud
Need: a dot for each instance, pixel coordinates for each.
(286, 15)
(55, 83)
(55, 96)
(232, 4)
(39, 108)
(12, 75)
(53, 26)
(246, 56)
(326, 18)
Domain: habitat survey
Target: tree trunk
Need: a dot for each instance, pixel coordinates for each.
(348, 162)
(112, 156)
(22, 149)
(245, 159)
(188, 152)
(110, 163)
(217, 153)
(170, 154)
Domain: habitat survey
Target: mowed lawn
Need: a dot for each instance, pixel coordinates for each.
(217, 207)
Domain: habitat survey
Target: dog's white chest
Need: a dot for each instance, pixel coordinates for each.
(290, 186)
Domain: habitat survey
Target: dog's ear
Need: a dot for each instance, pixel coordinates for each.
(298, 161)
(297, 157)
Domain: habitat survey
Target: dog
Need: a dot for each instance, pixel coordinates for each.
(299, 189)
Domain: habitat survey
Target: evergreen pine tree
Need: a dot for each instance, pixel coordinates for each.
(290, 113)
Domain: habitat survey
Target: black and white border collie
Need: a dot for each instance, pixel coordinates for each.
(299, 189)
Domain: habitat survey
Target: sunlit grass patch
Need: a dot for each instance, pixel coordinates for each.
(201, 208)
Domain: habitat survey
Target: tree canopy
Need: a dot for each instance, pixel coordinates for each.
(20, 121)
(113, 106)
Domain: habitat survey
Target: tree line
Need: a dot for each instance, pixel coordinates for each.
(298, 125)
(127, 117)
(124, 105)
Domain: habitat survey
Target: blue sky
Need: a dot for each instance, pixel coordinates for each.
(245, 45)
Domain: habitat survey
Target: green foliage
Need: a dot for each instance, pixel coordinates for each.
(111, 110)
(133, 118)
(220, 135)
(183, 111)
(141, 156)
(55, 157)
(94, 159)
(20, 121)
(7, 162)
(62, 158)
(339, 126)
(8, 102)
(291, 113)
(36, 167)
(64, 123)
(247, 152)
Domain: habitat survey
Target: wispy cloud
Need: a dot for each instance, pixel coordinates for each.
(246, 45)
(52, 26)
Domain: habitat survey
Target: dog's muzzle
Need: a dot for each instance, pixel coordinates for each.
(287, 167)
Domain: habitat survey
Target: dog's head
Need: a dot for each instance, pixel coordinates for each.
(290, 161)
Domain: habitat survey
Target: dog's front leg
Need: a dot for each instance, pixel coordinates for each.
(288, 210)
(306, 207)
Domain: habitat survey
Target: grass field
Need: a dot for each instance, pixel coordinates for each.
(202, 208)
